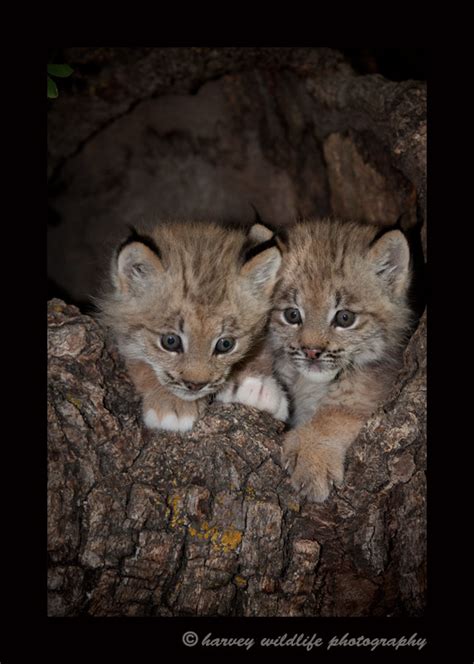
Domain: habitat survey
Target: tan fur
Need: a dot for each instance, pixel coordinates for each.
(329, 267)
(314, 452)
(254, 383)
(158, 398)
(199, 285)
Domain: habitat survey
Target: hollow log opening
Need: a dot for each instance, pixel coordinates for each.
(147, 524)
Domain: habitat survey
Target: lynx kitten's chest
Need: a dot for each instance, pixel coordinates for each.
(306, 396)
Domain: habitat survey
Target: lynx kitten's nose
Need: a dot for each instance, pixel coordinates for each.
(312, 353)
(194, 386)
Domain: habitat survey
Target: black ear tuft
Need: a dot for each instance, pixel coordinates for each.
(386, 229)
(258, 218)
(137, 264)
(282, 237)
(259, 238)
(249, 251)
(276, 230)
(135, 236)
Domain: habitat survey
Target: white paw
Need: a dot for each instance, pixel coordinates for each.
(227, 394)
(170, 422)
(264, 393)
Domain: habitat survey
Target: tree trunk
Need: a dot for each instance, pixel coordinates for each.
(152, 524)
(158, 524)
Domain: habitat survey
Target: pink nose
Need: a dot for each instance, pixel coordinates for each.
(312, 353)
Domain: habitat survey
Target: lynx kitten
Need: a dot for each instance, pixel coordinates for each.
(338, 327)
(188, 305)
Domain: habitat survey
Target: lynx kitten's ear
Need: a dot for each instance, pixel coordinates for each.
(137, 266)
(390, 256)
(262, 259)
(259, 233)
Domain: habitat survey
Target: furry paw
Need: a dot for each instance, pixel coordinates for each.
(172, 416)
(168, 421)
(262, 392)
(313, 468)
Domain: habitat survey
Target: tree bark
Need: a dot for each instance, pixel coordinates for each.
(152, 524)
(144, 523)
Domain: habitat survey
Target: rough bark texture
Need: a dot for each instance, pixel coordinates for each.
(143, 133)
(157, 524)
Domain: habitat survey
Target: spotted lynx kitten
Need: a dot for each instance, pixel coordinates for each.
(188, 306)
(337, 330)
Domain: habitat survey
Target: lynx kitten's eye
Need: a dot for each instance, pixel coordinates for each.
(224, 345)
(344, 318)
(172, 343)
(292, 316)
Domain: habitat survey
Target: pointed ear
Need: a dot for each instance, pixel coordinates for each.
(261, 259)
(137, 266)
(390, 257)
(259, 233)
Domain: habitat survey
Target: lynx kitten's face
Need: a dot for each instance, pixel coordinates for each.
(191, 300)
(341, 298)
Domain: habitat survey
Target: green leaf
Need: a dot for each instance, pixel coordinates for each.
(52, 89)
(61, 71)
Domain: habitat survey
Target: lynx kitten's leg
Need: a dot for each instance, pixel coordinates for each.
(262, 392)
(161, 409)
(171, 413)
(314, 452)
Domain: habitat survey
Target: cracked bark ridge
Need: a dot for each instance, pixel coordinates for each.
(143, 523)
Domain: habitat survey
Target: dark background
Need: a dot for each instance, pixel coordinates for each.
(147, 133)
(396, 64)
